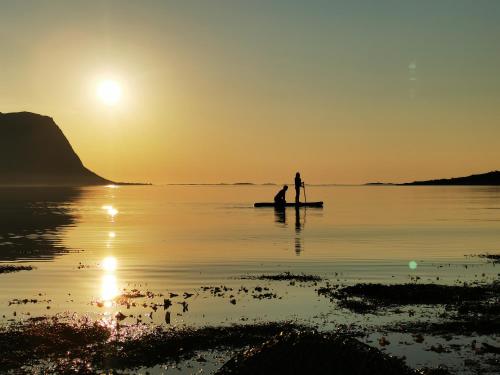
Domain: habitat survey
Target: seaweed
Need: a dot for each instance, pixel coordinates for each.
(83, 346)
(286, 276)
(382, 295)
(8, 268)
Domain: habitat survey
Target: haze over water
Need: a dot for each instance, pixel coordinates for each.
(178, 238)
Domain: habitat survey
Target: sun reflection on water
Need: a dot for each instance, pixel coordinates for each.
(109, 289)
(109, 264)
(110, 210)
(109, 284)
(109, 281)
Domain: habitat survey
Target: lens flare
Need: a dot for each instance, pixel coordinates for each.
(412, 265)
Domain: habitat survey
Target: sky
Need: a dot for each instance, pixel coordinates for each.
(232, 91)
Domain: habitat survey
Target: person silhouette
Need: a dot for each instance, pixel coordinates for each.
(298, 185)
(279, 199)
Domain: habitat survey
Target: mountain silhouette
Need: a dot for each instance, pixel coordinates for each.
(34, 151)
(489, 178)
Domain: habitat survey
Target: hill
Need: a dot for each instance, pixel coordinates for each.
(34, 151)
(489, 178)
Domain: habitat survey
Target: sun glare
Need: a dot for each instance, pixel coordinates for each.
(111, 211)
(109, 289)
(109, 92)
(109, 264)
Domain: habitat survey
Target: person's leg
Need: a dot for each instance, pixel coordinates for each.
(297, 195)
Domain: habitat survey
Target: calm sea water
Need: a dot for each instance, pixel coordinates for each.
(90, 244)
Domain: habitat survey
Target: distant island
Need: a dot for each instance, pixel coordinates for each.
(34, 151)
(489, 178)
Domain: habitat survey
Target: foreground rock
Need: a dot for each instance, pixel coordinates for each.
(85, 347)
(314, 353)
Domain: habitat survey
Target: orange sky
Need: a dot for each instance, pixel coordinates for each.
(233, 91)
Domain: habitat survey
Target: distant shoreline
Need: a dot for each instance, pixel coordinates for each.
(484, 179)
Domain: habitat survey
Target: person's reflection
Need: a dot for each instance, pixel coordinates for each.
(280, 215)
(280, 218)
(298, 230)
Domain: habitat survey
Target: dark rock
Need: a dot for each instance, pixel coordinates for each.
(120, 316)
(166, 303)
(314, 353)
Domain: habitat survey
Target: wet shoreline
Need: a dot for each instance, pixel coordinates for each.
(424, 312)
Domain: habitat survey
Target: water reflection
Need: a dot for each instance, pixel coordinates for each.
(31, 220)
(298, 230)
(109, 264)
(110, 210)
(280, 215)
(109, 283)
(109, 289)
(110, 238)
(280, 218)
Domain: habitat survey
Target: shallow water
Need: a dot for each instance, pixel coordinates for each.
(89, 244)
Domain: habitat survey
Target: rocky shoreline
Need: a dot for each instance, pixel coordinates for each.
(462, 318)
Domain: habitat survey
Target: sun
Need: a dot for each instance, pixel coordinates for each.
(109, 92)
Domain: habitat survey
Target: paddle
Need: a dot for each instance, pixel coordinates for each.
(304, 188)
